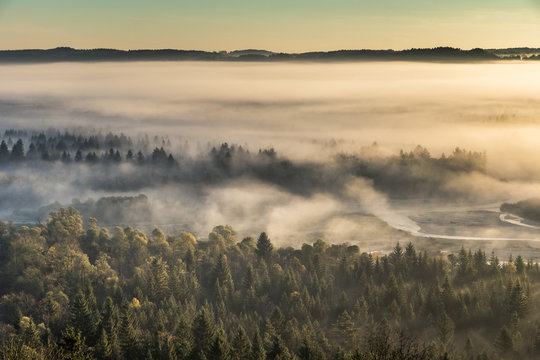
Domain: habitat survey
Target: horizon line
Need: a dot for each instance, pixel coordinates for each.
(271, 51)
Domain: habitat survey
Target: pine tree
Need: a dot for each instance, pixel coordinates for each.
(241, 345)
(520, 264)
(92, 303)
(220, 348)
(264, 247)
(446, 330)
(81, 317)
(127, 335)
(31, 335)
(257, 347)
(103, 348)
(73, 345)
(17, 152)
(448, 296)
(159, 280)
(202, 334)
(249, 279)
(278, 350)
(4, 152)
(309, 351)
(345, 328)
(78, 156)
(110, 322)
(222, 273)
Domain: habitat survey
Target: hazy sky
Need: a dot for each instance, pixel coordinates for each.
(281, 25)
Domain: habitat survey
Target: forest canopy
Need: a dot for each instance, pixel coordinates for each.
(74, 290)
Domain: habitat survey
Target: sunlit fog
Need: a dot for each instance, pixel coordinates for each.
(326, 120)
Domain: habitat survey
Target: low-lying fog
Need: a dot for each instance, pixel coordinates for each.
(308, 112)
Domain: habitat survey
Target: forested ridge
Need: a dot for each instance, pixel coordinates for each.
(77, 291)
(67, 54)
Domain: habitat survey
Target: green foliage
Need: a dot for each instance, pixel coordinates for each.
(74, 294)
(202, 335)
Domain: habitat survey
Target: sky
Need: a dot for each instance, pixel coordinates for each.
(278, 25)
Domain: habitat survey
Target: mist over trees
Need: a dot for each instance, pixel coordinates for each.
(74, 290)
(121, 163)
(528, 209)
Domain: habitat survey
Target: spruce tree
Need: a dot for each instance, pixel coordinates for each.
(310, 351)
(127, 335)
(278, 350)
(110, 322)
(81, 317)
(73, 345)
(202, 334)
(104, 349)
(4, 152)
(264, 247)
(222, 273)
(257, 348)
(241, 345)
(17, 152)
(220, 348)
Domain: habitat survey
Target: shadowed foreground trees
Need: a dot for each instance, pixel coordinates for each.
(74, 291)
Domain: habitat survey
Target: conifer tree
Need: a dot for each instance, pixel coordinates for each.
(257, 348)
(278, 350)
(264, 247)
(220, 348)
(202, 335)
(103, 348)
(4, 152)
(241, 345)
(73, 345)
(127, 335)
(222, 273)
(345, 327)
(82, 319)
(17, 152)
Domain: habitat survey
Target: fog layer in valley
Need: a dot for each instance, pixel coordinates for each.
(322, 120)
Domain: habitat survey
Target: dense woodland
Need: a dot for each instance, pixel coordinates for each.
(122, 163)
(77, 291)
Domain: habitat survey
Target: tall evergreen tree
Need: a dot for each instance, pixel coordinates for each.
(82, 319)
(202, 335)
(104, 349)
(278, 350)
(257, 347)
(220, 348)
(127, 335)
(222, 273)
(264, 247)
(4, 152)
(17, 152)
(241, 345)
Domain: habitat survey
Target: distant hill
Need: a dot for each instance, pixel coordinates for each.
(67, 54)
(249, 52)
